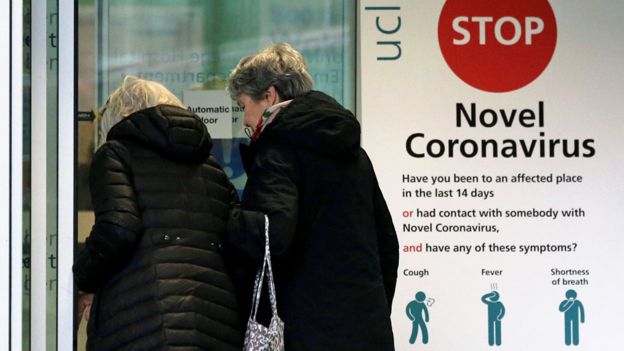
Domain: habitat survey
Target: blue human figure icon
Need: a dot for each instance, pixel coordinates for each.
(418, 313)
(573, 313)
(496, 312)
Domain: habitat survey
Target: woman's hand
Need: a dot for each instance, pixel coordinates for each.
(84, 305)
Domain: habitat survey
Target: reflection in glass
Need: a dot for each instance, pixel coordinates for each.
(26, 180)
(193, 44)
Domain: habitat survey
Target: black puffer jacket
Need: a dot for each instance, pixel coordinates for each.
(334, 247)
(154, 257)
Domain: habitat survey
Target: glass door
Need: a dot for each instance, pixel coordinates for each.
(191, 45)
(50, 152)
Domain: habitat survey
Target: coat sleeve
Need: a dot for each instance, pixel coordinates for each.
(118, 226)
(271, 189)
(388, 243)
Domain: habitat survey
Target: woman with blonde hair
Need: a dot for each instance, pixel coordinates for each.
(333, 244)
(152, 273)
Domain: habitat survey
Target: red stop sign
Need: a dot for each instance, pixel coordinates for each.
(497, 46)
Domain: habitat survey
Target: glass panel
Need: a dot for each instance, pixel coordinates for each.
(193, 44)
(52, 173)
(86, 103)
(26, 172)
(42, 221)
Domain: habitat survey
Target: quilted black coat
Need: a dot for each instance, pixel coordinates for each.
(154, 258)
(334, 246)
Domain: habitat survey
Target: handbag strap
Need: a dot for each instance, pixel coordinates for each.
(266, 269)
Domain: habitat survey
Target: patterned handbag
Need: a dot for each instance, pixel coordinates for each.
(258, 337)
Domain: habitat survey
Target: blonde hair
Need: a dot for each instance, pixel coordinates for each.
(134, 94)
(279, 65)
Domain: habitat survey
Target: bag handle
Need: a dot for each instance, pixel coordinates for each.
(266, 267)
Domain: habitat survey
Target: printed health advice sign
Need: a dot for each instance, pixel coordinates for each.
(495, 131)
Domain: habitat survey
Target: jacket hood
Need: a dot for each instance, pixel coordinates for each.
(318, 122)
(173, 132)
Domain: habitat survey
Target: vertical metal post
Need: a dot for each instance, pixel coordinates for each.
(5, 176)
(16, 167)
(66, 167)
(39, 171)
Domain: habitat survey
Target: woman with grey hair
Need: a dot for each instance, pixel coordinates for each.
(155, 256)
(333, 243)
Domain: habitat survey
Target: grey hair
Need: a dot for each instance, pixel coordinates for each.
(279, 65)
(132, 95)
